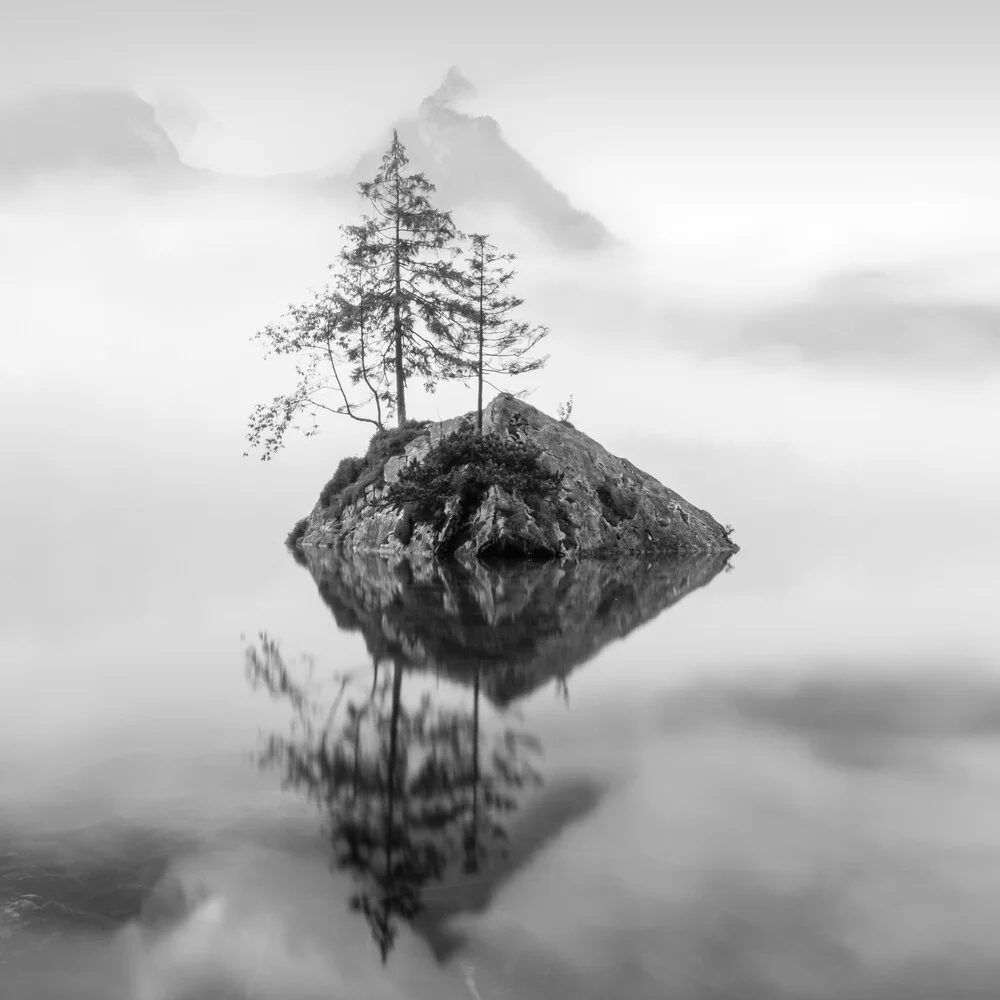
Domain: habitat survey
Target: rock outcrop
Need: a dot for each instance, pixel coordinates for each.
(604, 506)
(522, 625)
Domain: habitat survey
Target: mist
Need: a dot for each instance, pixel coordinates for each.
(802, 339)
(128, 375)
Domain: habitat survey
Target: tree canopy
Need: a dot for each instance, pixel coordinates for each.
(405, 301)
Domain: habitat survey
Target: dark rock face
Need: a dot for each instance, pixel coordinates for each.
(521, 624)
(605, 507)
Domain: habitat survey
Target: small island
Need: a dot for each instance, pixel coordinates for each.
(529, 487)
(414, 297)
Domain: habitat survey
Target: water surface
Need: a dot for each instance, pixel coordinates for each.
(774, 776)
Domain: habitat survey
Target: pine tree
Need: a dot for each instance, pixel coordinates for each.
(491, 341)
(411, 245)
(384, 320)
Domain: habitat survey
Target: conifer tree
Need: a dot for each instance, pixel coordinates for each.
(385, 319)
(412, 245)
(491, 341)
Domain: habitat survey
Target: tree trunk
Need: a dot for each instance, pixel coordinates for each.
(479, 405)
(479, 371)
(397, 325)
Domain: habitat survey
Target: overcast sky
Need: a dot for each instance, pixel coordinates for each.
(841, 125)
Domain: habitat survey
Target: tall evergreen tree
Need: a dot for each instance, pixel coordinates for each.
(492, 342)
(384, 320)
(412, 246)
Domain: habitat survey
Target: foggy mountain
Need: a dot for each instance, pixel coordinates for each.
(466, 157)
(90, 130)
(471, 164)
(877, 317)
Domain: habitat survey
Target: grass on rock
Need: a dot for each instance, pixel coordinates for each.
(354, 475)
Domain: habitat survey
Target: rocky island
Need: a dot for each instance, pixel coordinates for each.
(414, 296)
(530, 487)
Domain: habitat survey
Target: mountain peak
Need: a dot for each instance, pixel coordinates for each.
(453, 88)
(472, 166)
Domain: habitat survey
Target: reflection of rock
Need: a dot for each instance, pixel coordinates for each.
(415, 795)
(604, 506)
(526, 622)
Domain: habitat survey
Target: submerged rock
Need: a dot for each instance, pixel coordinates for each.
(604, 506)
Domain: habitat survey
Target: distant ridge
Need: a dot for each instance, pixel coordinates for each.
(84, 129)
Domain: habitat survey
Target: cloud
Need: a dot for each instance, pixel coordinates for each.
(892, 319)
(866, 318)
(182, 117)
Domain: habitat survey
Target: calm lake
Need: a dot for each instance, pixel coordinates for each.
(774, 778)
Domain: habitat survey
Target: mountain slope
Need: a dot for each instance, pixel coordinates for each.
(471, 164)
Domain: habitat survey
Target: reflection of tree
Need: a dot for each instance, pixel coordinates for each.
(486, 788)
(406, 788)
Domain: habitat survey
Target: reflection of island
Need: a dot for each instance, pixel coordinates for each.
(421, 799)
(525, 623)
